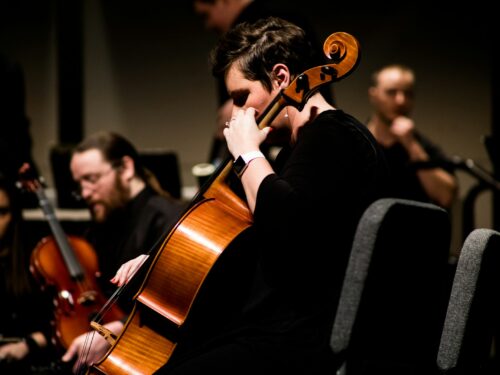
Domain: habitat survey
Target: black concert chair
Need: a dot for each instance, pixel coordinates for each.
(60, 157)
(165, 166)
(393, 300)
(473, 310)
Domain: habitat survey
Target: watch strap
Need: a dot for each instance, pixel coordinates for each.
(241, 163)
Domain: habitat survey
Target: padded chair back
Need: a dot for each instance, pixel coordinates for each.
(165, 166)
(473, 311)
(60, 157)
(393, 300)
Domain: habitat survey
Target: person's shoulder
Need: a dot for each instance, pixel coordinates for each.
(163, 212)
(339, 117)
(149, 201)
(160, 203)
(343, 126)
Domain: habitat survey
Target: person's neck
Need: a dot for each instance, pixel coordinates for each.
(381, 130)
(136, 186)
(314, 106)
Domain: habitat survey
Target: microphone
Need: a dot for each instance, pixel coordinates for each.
(470, 166)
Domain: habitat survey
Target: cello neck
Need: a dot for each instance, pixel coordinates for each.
(218, 178)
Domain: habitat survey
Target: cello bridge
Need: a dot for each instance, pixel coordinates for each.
(109, 336)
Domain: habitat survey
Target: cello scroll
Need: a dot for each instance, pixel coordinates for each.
(340, 47)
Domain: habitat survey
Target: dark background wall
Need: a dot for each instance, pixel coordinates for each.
(144, 72)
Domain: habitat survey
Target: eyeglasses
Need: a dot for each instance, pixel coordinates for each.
(4, 210)
(89, 181)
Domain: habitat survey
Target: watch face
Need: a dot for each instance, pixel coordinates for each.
(239, 166)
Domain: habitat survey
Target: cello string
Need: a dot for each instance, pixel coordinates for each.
(117, 293)
(99, 316)
(120, 290)
(82, 360)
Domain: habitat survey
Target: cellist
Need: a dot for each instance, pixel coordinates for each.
(128, 217)
(305, 205)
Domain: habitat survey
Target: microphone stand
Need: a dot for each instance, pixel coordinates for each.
(486, 181)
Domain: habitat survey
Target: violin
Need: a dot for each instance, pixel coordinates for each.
(190, 249)
(68, 267)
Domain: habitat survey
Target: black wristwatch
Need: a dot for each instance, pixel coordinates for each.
(241, 163)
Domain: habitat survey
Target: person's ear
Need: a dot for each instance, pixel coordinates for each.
(127, 168)
(372, 93)
(281, 76)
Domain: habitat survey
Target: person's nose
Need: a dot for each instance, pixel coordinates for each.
(401, 98)
(86, 192)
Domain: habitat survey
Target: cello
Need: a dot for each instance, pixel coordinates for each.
(191, 248)
(67, 266)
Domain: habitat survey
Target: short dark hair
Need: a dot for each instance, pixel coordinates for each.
(113, 147)
(374, 77)
(257, 47)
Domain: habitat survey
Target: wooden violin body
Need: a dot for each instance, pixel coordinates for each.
(216, 216)
(66, 266)
(76, 302)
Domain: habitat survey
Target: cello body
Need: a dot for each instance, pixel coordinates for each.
(215, 217)
(183, 262)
